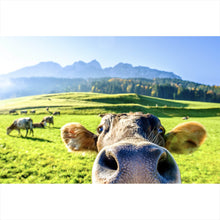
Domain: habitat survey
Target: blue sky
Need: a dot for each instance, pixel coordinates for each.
(193, 58)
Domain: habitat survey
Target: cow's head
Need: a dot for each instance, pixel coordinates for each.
(133, 147)
(8, 130)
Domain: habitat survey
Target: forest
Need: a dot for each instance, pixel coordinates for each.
(163, 88)
(159, 87)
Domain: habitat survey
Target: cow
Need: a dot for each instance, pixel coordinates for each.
(185, 118)
(23, 112)
(56, 113)
(39, 125)
(48, 119)
(32, 111)
(21, 123)
(12, 111)
(134, 147)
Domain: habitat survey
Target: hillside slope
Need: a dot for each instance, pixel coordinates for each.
(96, 103)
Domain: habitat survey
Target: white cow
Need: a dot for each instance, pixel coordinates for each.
(21, 123)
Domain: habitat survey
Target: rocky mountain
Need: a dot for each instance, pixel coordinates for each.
(84, 70)
(125, 70)
(92, 69)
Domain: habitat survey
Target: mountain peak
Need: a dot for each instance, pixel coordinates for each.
(92, 69)
(123, 65)
(79, 63)
(95, 64)
(48, 64)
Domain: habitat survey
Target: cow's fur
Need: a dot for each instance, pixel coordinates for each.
(183, 139)
(186, 137)
(48, 119)
(131, 141)
(185, 118)
(12, 111)
(23, 112)
(33, 111)
(21, 123)
(56, 113)
(76, 137)
(39, 125)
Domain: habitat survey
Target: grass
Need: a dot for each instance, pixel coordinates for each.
(44, 158)
(93, 103)
(203, 166)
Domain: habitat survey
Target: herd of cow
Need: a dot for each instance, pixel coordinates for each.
(27, 124)
(132, 147)
(31, 112)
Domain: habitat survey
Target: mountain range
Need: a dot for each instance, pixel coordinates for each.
(88, 70)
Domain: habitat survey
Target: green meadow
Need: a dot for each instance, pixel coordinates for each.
(45, 159)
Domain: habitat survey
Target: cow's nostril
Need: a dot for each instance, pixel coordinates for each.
(126, 163)
(166, 166)
(108, 161)
(162, 164)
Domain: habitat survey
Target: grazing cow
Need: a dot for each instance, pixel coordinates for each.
(33, 111)
(21, 123)
(39, 125)
(12, 111)
(48, 119)
(185, 118)
(56, 113)
(23, 112)
(133, 147)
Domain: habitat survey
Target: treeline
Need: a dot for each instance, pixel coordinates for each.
(162, 88)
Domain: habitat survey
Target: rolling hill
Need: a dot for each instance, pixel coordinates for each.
(96, 103)
(44, 158)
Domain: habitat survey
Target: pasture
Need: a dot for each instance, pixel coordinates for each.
(44, 158)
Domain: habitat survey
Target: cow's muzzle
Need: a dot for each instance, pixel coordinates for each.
(135, 163)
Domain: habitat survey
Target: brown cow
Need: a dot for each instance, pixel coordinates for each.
(48, 119)
(39, 125)
(133, 148)
(185, 118)
(21, 123)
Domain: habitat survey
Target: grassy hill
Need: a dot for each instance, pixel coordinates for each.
(44, 158)
(95, 103)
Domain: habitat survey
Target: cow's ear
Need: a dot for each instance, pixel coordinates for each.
(185, 138)
(78, 138)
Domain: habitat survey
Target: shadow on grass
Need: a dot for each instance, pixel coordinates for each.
(32, 138)
(135, 99)
(51, 127)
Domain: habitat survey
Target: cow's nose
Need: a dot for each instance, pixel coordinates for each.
(135, 164)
